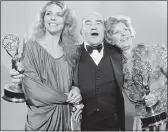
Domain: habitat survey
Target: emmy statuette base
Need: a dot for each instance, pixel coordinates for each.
(12, 95)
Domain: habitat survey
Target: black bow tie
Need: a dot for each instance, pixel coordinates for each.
(91, 48)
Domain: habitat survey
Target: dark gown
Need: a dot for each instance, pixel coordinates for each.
(46, 81)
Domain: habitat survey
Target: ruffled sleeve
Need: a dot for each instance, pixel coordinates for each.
(132, 87)
(161, 53)
(159, 87)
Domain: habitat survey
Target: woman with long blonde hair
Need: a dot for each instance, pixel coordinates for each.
(50, 53)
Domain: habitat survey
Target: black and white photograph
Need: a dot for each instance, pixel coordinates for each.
(84, 66)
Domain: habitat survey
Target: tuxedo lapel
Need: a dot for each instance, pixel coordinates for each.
(116, 61)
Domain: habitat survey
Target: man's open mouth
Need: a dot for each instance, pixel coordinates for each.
(94, 34)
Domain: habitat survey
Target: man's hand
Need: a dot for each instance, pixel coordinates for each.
(150, 99)
(74, 96)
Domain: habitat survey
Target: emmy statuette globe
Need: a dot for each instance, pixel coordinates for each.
(13, 92)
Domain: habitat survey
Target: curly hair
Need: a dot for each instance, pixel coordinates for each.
(111, 21)
(69, 39)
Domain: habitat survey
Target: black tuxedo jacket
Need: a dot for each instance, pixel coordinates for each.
(115, 56)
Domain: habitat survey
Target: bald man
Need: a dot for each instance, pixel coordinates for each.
(100, 78)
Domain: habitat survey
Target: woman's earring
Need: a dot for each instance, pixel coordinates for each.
(44, 29)
(112, 43)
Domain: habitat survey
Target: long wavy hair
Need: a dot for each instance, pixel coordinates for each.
(69, 38)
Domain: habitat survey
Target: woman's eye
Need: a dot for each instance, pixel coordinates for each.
(116, 32)
(60, 14)
(88, 24)
(126, 29)
(48, 13)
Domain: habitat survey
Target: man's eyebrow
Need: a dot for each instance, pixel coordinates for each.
(99, 21)
(87, 21)
(48, 11)
(96, 21)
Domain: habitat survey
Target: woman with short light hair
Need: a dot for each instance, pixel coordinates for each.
(145, 74)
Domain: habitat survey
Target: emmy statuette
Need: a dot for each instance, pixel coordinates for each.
(13, 92)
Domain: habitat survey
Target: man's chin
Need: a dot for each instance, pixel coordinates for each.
(95, 42)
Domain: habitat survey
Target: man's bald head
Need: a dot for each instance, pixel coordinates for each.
(92, 14)
(93, 28)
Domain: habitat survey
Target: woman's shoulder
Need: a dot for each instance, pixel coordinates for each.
(152, 46)
(31, 46)
(30, 43)
(157, 49)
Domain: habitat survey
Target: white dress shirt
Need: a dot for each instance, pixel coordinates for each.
(95, 55)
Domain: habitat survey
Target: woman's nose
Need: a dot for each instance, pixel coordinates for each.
(53, 17)
(123, 33)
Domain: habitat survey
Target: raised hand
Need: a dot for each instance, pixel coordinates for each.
(150, 99)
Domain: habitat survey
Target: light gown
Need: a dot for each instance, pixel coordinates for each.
(46, 81)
